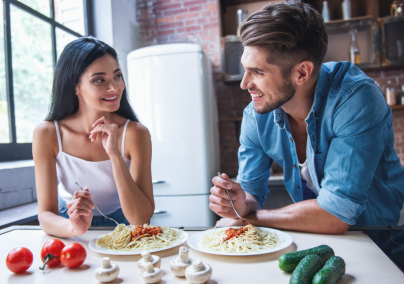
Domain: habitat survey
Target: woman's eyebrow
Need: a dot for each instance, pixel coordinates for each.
(103, 73)
(99, 73)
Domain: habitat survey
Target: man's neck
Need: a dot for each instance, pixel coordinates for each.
(299, 106)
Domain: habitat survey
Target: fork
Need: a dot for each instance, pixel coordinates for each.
(96, 205)
(231, 201)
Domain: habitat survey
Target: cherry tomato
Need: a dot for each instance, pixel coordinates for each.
(19, 260)
(50, 253)
(73, 255)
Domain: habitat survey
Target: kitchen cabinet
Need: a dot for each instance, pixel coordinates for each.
(230, 54)
(367, 37)
(392, 37)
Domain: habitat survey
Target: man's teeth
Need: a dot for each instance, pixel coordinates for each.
(110, 99)
(256, 95)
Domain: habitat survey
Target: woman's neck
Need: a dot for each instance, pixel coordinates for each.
(87, 117)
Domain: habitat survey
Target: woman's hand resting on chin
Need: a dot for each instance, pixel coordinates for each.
(109, 132)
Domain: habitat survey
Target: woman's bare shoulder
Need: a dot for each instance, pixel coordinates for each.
(136, 130)
(137, 138)
(45, 134)
(45, 128)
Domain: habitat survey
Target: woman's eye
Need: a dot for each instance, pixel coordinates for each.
(118, 76)
(98, 80)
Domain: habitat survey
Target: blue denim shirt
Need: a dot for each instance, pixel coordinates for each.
(350, 150)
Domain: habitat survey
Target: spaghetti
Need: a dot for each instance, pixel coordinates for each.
(139, 238)
(246, 239)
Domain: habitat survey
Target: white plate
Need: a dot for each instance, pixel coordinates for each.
(93, 245)
(194, 239)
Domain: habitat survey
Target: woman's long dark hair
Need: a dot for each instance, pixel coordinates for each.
(75, 58)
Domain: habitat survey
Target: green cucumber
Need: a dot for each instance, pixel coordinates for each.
(306, 269)
(332, 271)
(289, 261)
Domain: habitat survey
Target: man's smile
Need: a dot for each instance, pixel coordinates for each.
(256, 96)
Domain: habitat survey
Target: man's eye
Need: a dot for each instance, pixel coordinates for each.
(258, 73)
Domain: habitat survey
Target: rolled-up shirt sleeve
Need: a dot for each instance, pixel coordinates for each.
(254, 163)
(361, 124)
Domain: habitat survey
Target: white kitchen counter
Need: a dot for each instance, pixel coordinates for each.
(365, 262)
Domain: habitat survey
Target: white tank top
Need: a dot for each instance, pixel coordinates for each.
(97, 176)
(305, 175)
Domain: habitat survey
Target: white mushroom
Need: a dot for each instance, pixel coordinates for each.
(148, 258)
(151, 274)
(107, 272)
(198, 272)
(180, 263)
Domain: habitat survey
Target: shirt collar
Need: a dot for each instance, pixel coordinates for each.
(319, 93)
(279, 117)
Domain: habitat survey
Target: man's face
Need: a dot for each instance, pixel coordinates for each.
(268, 89)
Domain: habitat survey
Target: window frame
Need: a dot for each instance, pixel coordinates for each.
(14, 151)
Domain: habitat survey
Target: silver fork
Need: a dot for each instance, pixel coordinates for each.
(231, 201)
(96, 206)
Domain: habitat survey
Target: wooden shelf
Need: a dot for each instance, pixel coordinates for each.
(397, 107)
(382, 67)
(355, 19)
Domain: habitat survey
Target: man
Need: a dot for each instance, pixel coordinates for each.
(327, 125)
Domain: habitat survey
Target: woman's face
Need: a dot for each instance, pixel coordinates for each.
(100, 87)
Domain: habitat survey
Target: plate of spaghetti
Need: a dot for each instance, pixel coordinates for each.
(131, 240)
(240, 241)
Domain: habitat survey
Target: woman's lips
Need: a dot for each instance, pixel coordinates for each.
(111, 99)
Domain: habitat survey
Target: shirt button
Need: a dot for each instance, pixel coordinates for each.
(294, 166)
(291, 140)
(297, 186)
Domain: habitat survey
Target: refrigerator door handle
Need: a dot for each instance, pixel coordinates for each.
(160, 211)
(155, 181)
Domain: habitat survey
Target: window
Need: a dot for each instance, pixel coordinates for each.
(34, 35)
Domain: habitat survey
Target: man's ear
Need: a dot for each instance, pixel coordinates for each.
(304, 70)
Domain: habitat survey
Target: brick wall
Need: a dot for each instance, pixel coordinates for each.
(198, 21)
(393, 78)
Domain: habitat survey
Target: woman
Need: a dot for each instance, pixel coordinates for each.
(92, 136)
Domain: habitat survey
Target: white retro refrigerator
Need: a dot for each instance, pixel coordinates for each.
(170, 88)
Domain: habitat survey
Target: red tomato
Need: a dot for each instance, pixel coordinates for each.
(19, 260)
(73, 255)
(50, 253)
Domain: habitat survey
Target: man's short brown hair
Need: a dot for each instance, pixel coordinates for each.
(292, 32)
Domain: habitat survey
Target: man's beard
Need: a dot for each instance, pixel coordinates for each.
(286, 92)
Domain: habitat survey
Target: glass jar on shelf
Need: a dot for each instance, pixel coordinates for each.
(397, 8)
(354, 53)
(325, 12)
(400, 96)
(390, 94)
